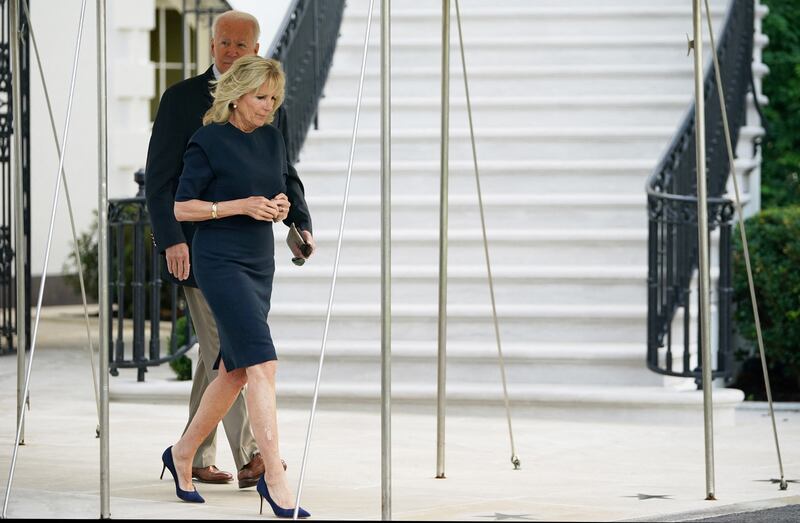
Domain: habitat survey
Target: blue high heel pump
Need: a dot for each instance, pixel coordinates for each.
(192, 496)
(280, 512)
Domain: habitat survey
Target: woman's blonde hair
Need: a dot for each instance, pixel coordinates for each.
(246, 75)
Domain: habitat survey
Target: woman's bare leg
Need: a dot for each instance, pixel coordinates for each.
(262, 409)
(216, 401)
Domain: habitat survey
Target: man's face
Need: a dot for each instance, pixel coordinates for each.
(233, 39)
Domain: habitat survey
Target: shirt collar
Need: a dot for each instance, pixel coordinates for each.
(216, 72)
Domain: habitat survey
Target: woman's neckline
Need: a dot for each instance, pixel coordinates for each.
(240, 130)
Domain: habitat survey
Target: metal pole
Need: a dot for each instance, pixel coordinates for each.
(443, 211)
(386, 264)
(702, 236)
(102, 247)
(185, 42)
(19, 215)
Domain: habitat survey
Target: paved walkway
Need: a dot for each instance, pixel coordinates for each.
(571, 470)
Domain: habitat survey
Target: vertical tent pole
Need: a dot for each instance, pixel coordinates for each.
(19, 208)
(702, 236)
(386, 265)
(443, 213)
(102, 246)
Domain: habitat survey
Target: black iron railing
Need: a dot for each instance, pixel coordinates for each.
(138, 299)
(9, 243)
(672, 211)
(304, 46)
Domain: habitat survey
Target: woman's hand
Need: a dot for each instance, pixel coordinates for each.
(282, 202)
(259, 208)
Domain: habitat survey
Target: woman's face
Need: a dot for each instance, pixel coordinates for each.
(253, 109)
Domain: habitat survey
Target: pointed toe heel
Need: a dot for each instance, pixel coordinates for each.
(263, 493)
(190, 496)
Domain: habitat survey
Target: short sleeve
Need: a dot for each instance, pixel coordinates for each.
(196, 175)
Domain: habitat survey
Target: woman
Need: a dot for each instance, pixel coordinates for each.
(233, 185)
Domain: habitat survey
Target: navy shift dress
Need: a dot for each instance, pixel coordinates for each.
(234, 258)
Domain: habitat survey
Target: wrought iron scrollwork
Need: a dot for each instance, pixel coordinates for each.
(305, 46)
(9, 243)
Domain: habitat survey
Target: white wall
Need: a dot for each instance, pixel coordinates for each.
(55, 23)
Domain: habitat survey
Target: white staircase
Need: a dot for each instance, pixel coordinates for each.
(574, 101)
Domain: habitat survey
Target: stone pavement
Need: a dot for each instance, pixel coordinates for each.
(572, 470)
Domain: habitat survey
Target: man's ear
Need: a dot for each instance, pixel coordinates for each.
(257, 45)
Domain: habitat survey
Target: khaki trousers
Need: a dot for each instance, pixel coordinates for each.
(236, 423)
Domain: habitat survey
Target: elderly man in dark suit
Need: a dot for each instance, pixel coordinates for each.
(180, 114)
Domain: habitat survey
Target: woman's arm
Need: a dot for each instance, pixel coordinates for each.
(256, 207)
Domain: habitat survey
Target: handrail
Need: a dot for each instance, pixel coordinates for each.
(305, 46)
(280, 35)
(672, 210)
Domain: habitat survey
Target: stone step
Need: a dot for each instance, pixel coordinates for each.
(564, 20)
(418, 322)
(525, 50)
(508, 143)
(467, 284)
(474, 5)
(470, 362)
(536, 212)
(523, 246)
(557, 177)
(490, 111)
(603, 403)
(617, 177)
(491, 80)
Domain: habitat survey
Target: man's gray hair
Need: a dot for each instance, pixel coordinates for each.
(238, 15)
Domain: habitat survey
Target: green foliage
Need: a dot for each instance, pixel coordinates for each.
(87, 250)
(181, 365)
(780, 172)
(774, 241)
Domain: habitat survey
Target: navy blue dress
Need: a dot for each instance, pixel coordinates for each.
(233, 258)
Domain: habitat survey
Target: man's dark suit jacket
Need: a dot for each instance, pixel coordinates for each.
(180, 114)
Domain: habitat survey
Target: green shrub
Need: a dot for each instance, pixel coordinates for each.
(181, 365)
(774, 239)
(87, 249)
(780, 171)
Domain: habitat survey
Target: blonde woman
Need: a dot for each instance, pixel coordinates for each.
(232, 186)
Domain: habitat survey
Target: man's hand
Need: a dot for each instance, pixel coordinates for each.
(282, 202)
(178, 260)
(310, 246)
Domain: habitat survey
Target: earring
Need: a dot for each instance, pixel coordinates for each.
(235, 106)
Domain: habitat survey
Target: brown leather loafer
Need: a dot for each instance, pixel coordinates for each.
(248, 476)
(211, 474)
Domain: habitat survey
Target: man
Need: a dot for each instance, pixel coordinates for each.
(180, 114)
